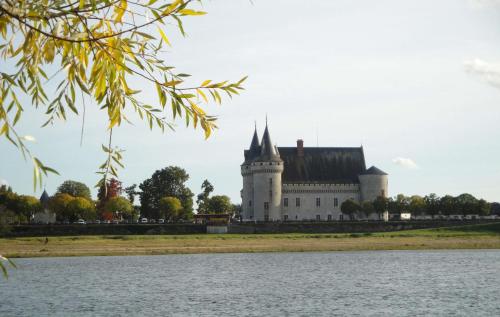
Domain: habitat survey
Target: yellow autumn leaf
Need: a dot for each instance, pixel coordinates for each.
(191, 12)
(164, 36)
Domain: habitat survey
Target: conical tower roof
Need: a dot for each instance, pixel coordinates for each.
(374, 171)
(254, 151)
(268, 151)
(255, 145)
(44, 199)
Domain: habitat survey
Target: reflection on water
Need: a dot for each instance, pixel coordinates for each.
(381, 283)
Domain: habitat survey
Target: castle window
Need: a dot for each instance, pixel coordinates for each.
(285, 217)
(335, 202)
(285, 202)
(318, 202)
(266, 217)
(382, 193)
(297, 202)
(329, 217)
(270, 194)
(318, 217)
(270, 182)
(266, 205)
(261, 164)
(249, 203)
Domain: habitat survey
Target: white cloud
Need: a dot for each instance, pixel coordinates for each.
(405, 162)
(489, 72)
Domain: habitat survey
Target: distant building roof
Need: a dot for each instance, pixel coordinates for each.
(373, 171)
(44, 199)
(322, 164)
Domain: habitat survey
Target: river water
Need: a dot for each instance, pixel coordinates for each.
(379, 283)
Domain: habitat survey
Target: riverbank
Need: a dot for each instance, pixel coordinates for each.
(486, 236)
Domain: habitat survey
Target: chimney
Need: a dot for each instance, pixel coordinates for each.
(300, 147)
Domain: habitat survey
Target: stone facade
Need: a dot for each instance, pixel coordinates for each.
(304, 183)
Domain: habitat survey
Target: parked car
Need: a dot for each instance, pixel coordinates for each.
(97, 221)
(144, 220)
(115, 222)
(152, 221)
(81, 222)
(161, 220)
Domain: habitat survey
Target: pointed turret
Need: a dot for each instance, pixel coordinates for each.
(255, 145)
(267, 149)
(44, 199)
(254, 151)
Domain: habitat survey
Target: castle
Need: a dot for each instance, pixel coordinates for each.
(304, 183)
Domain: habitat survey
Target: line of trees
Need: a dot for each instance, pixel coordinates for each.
(15, 208)
(464, 204)
(162, 196)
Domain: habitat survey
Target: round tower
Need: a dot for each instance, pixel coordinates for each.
(267, 170)
(247, 192)
(373, 183)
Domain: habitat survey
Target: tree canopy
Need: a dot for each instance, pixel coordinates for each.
(170, 208)
(367, 208)
(380, 204)
(95, 49)
(203, 197)
(350, 208)
(220, 204)
(120, 205)
(80, 208)
(75, 189)
(17, 208)
(167, 182)
(59, 204)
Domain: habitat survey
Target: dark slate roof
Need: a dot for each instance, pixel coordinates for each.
(262, 151)
(254, 150)
(268, 151)
(255, 145)
(44, 198)
(373, 171)
(323, 164)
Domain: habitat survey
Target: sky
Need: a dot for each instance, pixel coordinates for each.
(417, 83)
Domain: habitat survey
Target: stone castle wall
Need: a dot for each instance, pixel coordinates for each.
(331, 197)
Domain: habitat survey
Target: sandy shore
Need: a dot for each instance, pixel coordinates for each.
(467, 237)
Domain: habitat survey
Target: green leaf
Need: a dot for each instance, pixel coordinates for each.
(179, 24)
(11, 263)
(172, 83)
(4, 270)
(70, 104)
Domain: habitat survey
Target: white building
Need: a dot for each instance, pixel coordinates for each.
(304, 183)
